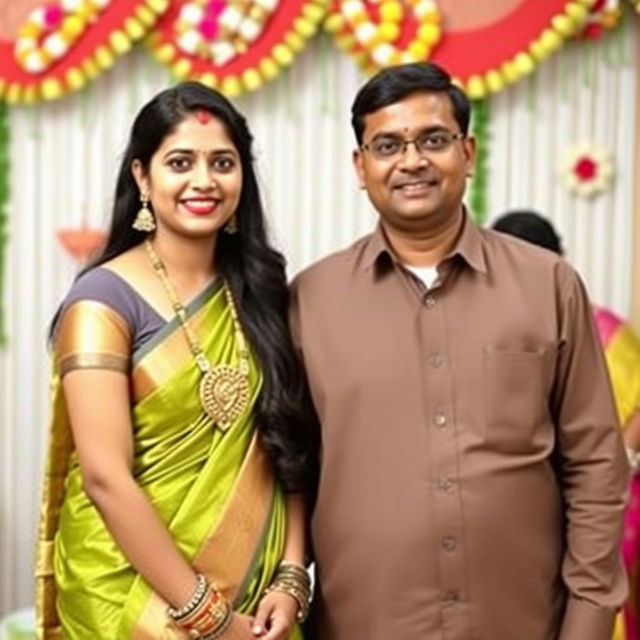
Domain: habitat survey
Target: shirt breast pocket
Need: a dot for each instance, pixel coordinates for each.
(516, 397)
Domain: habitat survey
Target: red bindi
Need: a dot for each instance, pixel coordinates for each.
(203, 116)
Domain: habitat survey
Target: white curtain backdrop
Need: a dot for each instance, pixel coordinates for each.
(64, 157)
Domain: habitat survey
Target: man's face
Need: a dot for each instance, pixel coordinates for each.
(414, 189)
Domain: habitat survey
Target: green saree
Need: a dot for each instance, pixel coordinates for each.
(214, 491)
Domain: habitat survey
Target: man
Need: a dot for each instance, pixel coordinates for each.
(472, 474)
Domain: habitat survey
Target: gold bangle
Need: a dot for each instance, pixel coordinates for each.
(293, 579)
(208, 618)
(196, 599)
(301, 597)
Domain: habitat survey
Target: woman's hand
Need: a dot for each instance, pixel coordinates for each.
(239, 629)
(276, 616)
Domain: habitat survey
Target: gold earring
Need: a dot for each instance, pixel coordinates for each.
(232, 226)
(144, 220)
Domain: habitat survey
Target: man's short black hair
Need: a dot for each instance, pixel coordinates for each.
(395, 83)
(530, 226)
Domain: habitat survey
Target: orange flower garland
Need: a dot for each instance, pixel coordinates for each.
(220, 32)
(50, 31)
(563, 26)
(375, 44)
(67, 43)
(234, 45)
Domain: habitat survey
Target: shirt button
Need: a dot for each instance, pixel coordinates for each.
(440, 420)
(449, 543)
(451, 595)
(430, 302)
(446, 484)
(436, 360)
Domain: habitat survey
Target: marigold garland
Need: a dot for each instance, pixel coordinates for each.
(51, 30)
(51, 35)
(233, 51)
(219, 32)
(382, 34)
(563, 26)
(375, 44)
(377, 33)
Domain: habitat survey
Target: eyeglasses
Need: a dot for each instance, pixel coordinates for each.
(390, 147)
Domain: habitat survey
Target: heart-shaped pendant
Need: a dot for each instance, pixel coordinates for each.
(224, 394)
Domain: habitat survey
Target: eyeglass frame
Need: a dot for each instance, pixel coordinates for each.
(407, 141)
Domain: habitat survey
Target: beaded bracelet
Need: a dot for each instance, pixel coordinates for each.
(196, 599)
(206, 615)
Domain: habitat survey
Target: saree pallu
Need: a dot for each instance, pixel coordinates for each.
(622, 352)
(214, 491)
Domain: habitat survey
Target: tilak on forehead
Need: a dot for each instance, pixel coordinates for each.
(203, 116)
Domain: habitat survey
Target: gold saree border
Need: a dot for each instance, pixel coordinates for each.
(56, 469)
(162, 362)
(226, 555)
(90, 327)
(110, 361)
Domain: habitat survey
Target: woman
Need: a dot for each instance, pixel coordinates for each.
(180, 445)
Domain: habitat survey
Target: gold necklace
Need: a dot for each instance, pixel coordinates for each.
(224, 389)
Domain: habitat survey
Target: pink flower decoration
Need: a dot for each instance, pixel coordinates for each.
(208, 28)
(215, 7)
(53, 15)
(586, 169)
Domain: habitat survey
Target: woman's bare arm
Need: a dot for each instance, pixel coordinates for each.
(99, 412)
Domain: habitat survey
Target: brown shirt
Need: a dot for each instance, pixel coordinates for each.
(472, 472)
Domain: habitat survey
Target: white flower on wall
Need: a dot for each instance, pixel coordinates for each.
(587, 169)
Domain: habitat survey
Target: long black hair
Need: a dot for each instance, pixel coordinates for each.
(253, 269)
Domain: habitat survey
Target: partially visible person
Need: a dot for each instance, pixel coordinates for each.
(173, 501)
(622, 352)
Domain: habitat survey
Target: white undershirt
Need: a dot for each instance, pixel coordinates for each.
(428, 275)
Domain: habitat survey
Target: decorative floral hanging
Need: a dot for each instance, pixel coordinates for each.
(238, 45)
(485, 50)
(50, 31)
(386, 33)
(587, 169)
(235, 45)
(63, 44)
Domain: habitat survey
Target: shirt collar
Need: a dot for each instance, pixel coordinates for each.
(468, 247)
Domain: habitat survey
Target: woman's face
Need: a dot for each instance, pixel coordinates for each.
(194, 179)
